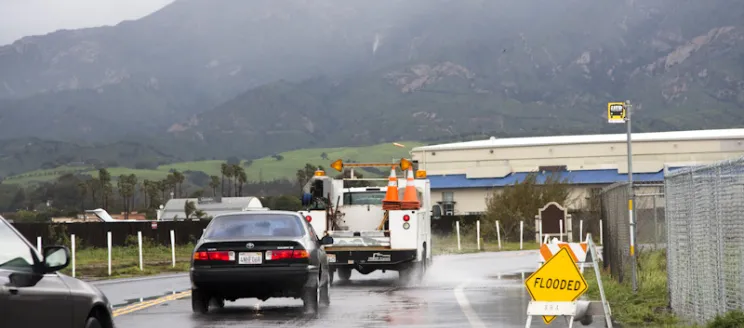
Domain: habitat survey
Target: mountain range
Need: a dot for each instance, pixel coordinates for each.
(219, 78)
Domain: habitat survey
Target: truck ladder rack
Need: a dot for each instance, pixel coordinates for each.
(365, 179)
(350, 234)
(384, 219)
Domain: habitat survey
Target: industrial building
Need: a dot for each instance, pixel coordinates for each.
(463, 175)
(174, 209)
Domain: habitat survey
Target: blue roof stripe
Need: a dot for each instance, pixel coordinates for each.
(609, 176)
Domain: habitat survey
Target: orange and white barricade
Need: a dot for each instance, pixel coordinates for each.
(578, 251)
(584, 254)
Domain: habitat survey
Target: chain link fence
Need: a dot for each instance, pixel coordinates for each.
(705, 224)
(650, 224)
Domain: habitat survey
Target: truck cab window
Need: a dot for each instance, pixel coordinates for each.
(364, 198)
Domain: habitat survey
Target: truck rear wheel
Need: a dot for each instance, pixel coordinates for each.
(409, 274)
(415, 272)
(344, 274)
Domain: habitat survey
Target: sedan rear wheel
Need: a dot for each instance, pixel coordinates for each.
(199, 301)
(311, 298)
(93, 322)
(218, 302)
(325, 293)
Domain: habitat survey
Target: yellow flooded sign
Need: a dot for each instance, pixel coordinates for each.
(558, 280)
(616, 112)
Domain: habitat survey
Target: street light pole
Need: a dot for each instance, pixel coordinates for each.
(631, 198)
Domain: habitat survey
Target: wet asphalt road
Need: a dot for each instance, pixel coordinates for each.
(472, 290)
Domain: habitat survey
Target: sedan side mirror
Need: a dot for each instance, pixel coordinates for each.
(327, 240)
(55, 258)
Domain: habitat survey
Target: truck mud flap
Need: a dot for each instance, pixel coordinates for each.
(372, 258)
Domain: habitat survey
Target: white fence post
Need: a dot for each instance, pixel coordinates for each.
(457, 227)
(601, 235)
(38, 245)
(477, 232)
(109, 251)
(560, 229)
(139, 245)
(173, 247)
(521, 233)
(581, 230)
(498, 233)
(540, 229)
(72, 244)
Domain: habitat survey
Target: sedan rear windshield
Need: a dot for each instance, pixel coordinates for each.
(254, 226)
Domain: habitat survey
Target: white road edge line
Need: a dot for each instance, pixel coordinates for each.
(104, 282)
(473, 318)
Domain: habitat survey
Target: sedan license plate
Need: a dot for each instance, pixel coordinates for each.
(331, 258)
(250, 258)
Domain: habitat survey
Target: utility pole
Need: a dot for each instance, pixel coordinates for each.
(619, 112)
(631, 198)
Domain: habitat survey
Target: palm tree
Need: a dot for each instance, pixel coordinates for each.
(214, 183)
(236, 169)
(121, 184)
(104, 178)
(83, 191)
(146, 191)
(178, 179)
(152, 189)
(229, 173)
(131, 190)
(243, 178)
(163, 186)
(172, 182)
(92, 183)
(223, 170)
(240, 179)
(189, 208)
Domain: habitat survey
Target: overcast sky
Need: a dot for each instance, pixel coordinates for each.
(19, 18)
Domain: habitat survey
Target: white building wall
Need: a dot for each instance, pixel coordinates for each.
(647, 157)
(497, 158)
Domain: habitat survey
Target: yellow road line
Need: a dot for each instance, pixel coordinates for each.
(150, 303)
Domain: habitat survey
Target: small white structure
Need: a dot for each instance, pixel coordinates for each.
(212, 206)
(104, 216)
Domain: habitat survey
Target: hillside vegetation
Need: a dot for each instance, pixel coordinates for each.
(280, 166)
(204, 79)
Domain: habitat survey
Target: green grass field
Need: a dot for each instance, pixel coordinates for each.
(469, 244)
(265, 169)
(648, 306)
(92, 263)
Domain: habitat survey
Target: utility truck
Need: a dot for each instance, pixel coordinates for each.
(373, 227)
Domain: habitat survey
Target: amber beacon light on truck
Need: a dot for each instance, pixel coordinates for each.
(404, 165)
(320, 179)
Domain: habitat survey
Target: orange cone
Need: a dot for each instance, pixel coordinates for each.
(410, 196)
(391, 201)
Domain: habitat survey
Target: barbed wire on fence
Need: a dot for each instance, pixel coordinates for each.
(705, 255)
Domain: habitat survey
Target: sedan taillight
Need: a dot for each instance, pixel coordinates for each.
(286, 254)
(214, 256)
